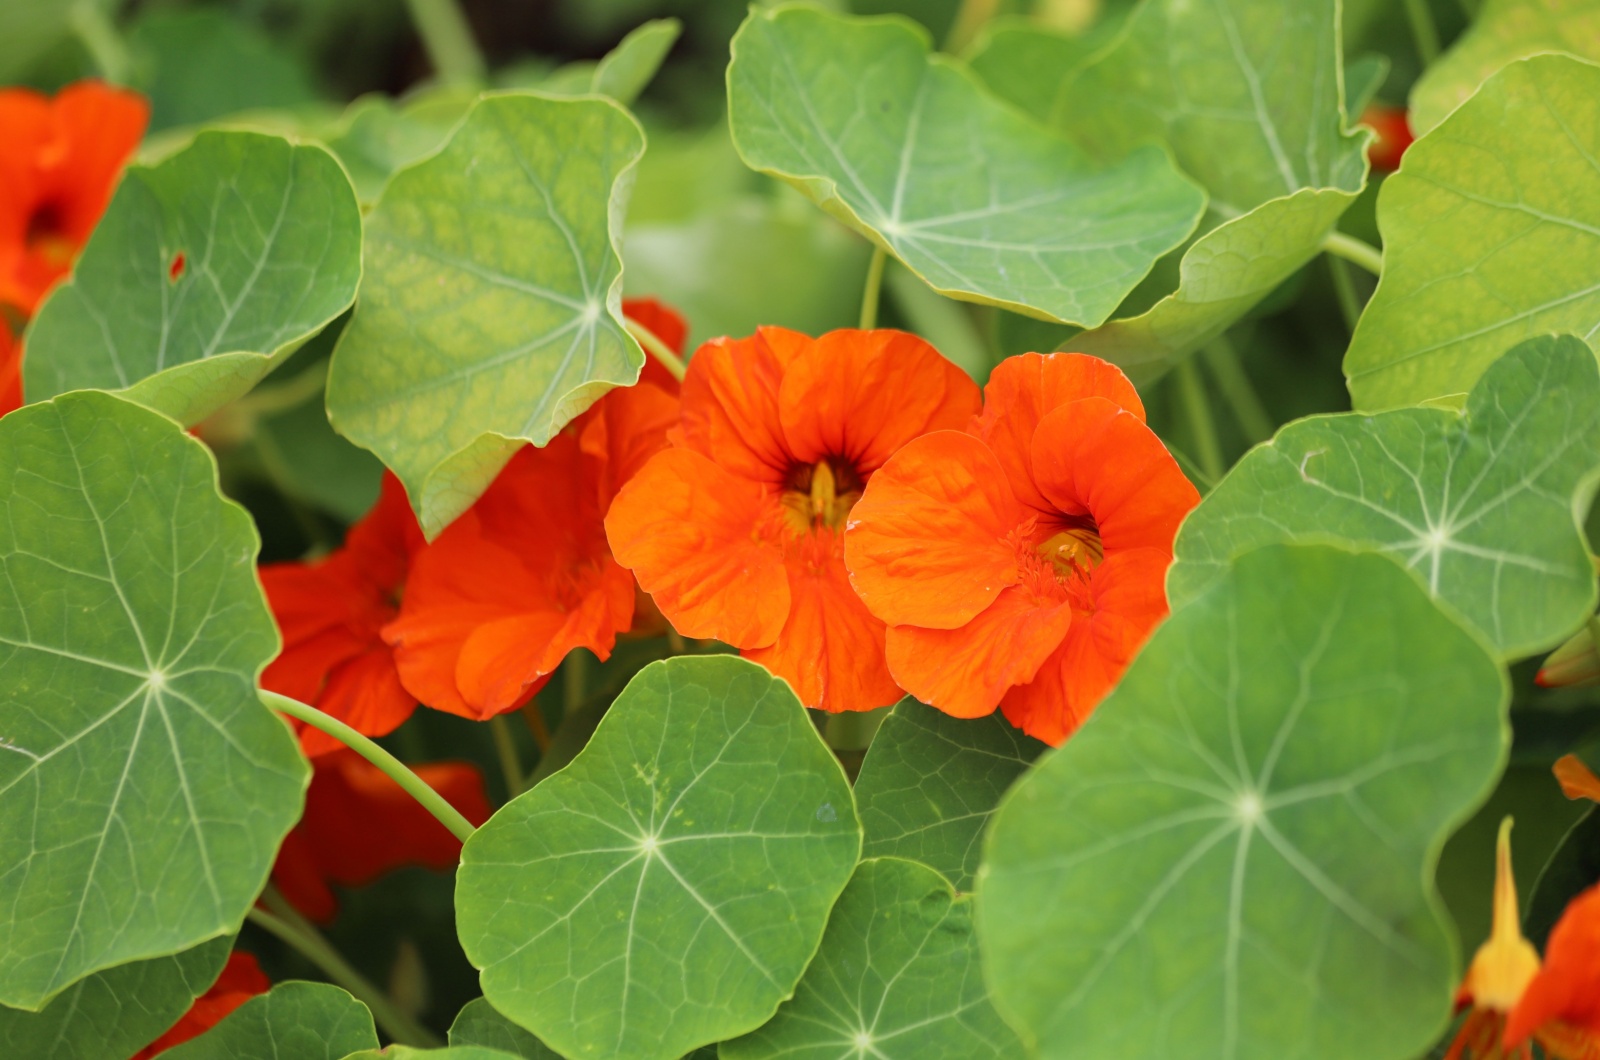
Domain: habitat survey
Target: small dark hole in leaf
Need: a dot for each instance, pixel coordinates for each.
(175, 270)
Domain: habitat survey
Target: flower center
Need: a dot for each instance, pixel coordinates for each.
(820, 495)
(45, 237)
(1075, 550)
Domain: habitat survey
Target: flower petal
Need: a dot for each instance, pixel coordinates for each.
(1023, 390)
(693, 534)
(1566, 990)
(965, 672)
(861, 395)
(624, 429)
(1094, 457)
(730, 407)
(1129, 600)
(927, 542)
(831, 648)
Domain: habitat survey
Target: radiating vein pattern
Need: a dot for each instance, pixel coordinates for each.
(1233, 858)
(897, 976)
(930, 783)
(1491, 234)
(240, 243)
(667, 888)
(980, 202)
(146, 789)
(1481, 505)
(491, 304)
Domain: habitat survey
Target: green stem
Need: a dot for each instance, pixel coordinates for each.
(287, 924)
(99, 37)
(1248, 412)
(575, 684)
(1344, 290)
(658, 349)
(448, 39)
(396, 770)
(1423, 30)
(853, 730)
(676, 642)
(1354, 251)
(869, 295)
(970, 20)
(505, 745)
(1192, 392)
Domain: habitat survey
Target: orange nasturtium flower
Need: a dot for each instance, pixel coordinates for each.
(1576, 779)
(525, 576)
(331, 612)
(1513, 1000)
(1020, 563)
(737, 530)
(10, 370)
(359, 824)
(241, 980)
(59, 160)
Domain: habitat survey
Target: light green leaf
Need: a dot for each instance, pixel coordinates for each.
(1234, 857)
(1486, 506)
(478, 1023)
(454, 1052)
(625, 71)
(376, 137)
(908, 149)
(1491, 234)
(491, 307)
(897, 976)
(667, 888)
(144, 789)
(1024, 63)
(1503, 31)
(306, 1021)
(1363, 76)
(115, 1012)
(930, 782)
(1248, 95)
(30, 29)
(270, 241)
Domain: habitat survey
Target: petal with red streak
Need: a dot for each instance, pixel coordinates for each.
(730, 408)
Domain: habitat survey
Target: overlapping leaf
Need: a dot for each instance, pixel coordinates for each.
(907, 148)
(306, 1021)
(206, 271)
(491, 306)
(1491, 233)
(897, 976)
(115, 1012)
(479, 1024)
(1233, 857)
(144, 789)
(668, 887)
(1483, 505)
(930, 782)
(1248, 95)
(1502, 31)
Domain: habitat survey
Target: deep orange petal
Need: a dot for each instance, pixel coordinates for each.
(1567, 988)
(1129, 600)
(10, 370)
(1023, 390)
(966, 671)
(1093, 457)
(624, 429)
(927, 543)
(241, 980)
(861, 395)
(692, 533)
(831, 648)
(1576, 779)
(730, 407)
(99, 126)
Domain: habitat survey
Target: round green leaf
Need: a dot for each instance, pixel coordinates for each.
(306, 1021)
(115, 1012)
(1484, 505)
(491, 308)
(206, 271)
(144, 789)
(1248, 95)
(628, 68)
(897, 976)
(668, 887)
(1503, 30)
(454, 1052)
(930, 782)
(1491, 234)
(1234, 857)
(908, 149)
(478, 1023)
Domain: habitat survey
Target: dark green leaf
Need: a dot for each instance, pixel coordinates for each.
(305, 1021)
(668, 887)
(1573, 868)
(1233, 858)
(930, 782)
(144, 789)
(479, 1024)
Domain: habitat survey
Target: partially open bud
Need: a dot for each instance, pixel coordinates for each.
(1574, 663)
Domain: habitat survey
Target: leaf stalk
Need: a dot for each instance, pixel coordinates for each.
(658, 349)
(869, 294)
(448, 40)
(1354, 251)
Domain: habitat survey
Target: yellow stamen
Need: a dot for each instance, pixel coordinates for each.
(1504, 965)
(1078, 549)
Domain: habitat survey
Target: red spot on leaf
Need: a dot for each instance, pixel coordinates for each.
(175, 270)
